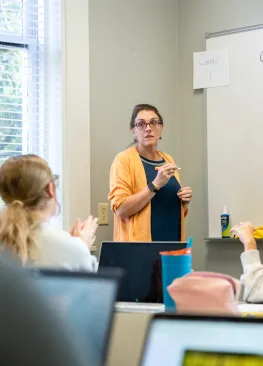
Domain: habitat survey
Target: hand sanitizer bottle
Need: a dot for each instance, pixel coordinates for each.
(225, 224)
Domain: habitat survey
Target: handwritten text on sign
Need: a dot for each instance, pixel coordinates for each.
(211, 68)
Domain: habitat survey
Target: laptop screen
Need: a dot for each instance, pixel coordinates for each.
(86, 303)
(142, 281)
(187, 341)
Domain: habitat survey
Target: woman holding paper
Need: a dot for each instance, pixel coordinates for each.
(146, 197)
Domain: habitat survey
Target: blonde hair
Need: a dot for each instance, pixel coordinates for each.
(23, 188)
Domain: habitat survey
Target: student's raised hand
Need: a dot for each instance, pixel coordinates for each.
(85, 230)
(244, 231)
(185, 194)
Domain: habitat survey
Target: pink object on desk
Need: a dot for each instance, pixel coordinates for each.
(205, 293)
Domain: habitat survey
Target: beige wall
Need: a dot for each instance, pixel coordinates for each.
(133, 59)
(134, 50)
(196, 17)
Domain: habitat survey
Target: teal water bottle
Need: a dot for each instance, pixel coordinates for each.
(225, 224)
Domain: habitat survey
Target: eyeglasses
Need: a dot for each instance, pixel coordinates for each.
(55, 180)
(154, 123)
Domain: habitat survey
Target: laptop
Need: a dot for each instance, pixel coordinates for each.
(86, 302)
(141, 261)
(181, 340)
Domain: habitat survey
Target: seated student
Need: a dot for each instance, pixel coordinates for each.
(252, 277)
(28, 189)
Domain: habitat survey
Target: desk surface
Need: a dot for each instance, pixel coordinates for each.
(131, 307)
(250, 308)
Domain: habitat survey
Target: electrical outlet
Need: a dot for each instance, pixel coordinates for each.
(103, 213)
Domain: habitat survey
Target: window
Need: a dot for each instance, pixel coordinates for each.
(30, 80)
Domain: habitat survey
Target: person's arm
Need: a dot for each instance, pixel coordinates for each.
(135, 203)
(252, 277)
(62, 250)
(77, 255)
(124, 202)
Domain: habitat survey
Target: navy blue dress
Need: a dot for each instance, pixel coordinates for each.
(165, 206)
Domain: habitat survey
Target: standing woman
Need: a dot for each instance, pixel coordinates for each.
(146, 197)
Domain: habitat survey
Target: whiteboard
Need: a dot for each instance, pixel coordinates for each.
(234, 131)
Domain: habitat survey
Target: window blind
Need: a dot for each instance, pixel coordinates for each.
(30, 80)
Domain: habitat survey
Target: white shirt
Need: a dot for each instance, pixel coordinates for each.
(57, 248)
(252, 278)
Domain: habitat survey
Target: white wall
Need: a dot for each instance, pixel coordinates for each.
(133, 59)
(134, 50)
(196, 17)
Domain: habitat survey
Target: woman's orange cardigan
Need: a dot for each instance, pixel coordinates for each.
(127, 177)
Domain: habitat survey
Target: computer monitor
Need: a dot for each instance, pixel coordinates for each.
(181, 340)
(86, 302)
(142, 281)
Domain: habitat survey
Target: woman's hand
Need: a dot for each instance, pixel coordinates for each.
(185, 194)
(245, 230)
(165, 172)
(85, 230)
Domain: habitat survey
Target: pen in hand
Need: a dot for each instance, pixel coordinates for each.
(158, 167)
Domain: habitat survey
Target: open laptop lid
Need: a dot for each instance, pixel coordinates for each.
(142, 264)
(181, 340)
(86, 302)
(114, 244)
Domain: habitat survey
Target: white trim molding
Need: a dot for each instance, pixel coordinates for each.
(75, 110)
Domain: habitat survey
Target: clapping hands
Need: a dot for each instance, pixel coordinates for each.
(85, 230)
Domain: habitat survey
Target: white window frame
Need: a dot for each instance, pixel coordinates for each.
(76, 110)
(75, 129)
(30, 44)
(43, 113)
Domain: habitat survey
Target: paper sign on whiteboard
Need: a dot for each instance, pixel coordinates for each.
(211, 69)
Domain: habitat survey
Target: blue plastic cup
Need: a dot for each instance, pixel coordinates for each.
(174, 265)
